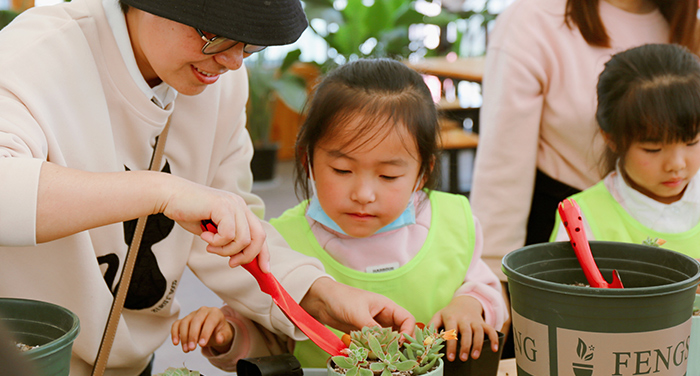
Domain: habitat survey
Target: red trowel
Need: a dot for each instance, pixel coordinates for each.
(317, 332)
(570, 215)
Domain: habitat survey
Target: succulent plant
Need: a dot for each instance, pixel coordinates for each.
(355, 362)
(377, 351)
(655, 242)
(424, 347)
(179, 372)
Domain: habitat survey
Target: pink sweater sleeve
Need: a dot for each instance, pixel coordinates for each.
(510, 119)
(250, 340)
(483, 285)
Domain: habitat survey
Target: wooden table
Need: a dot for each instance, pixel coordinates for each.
(458, 68)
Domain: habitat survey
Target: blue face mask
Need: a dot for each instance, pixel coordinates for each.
(316, 212)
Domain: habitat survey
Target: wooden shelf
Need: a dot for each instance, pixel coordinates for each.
(461, 68)
(457, 138)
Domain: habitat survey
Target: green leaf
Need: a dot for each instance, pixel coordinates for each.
(419, 336)
(292, 91)
(343, 362)
(6, 16)
(416, 346)
(381, 18)
(407, 15)
(406, 365)
(376, 367)
(425, 368)
(178, 372)
(366, 372)
(376, 347)
(289, 59)
(393, 347)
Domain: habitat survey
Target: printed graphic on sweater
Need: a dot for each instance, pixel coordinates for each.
(148, 285)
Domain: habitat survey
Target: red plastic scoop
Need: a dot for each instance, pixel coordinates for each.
(570, 215)
(317, 332)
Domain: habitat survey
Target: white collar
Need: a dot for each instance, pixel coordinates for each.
(162, 94)
(675, 217)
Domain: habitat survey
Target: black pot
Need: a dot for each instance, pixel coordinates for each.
(485, 365)
(264, 162)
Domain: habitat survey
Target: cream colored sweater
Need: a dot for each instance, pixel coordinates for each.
(67, 97)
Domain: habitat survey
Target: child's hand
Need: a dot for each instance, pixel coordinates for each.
(464, 313)
(206, 326)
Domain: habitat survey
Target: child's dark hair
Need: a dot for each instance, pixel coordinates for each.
(381, 89)
(648, 93)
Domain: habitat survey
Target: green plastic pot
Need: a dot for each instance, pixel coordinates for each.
(49, 326)
(563, 329)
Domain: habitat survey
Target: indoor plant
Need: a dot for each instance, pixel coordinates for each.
(395, 28)
(377, 351)
(268, 82)
(6, 16)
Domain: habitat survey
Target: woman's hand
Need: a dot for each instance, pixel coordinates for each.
(239, 234)
(348, 308)
(464, 313)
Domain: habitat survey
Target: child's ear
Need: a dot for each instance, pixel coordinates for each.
(425, 176)
(304, 156)
(608, 140)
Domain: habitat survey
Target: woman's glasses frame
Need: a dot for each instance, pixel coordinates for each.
(217, 44)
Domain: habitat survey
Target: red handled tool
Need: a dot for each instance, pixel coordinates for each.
(570, 214)
(317, 332)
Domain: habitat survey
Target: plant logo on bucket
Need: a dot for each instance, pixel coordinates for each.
(585, 354)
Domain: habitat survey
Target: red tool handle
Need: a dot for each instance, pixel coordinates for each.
(570, 214)
(317, 332)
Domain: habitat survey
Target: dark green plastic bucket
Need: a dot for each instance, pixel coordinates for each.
(49, 326)
(560, 329)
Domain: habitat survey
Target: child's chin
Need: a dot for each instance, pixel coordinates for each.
(361, 233)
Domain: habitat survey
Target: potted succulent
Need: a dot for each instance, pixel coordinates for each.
(269, 82)
(377, 351)
(182, 371)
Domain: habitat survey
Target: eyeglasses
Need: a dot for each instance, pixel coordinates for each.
(217, 44)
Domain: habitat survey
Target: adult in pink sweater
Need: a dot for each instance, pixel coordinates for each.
(538, 140)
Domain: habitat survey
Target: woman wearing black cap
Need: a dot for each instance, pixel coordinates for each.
(86, 89)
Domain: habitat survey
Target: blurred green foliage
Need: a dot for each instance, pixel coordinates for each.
(269, 80)
(381, 28)
(6, 16)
